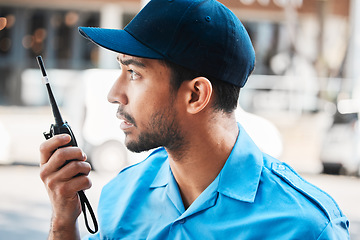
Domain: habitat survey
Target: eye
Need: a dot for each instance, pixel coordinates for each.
(133, 75)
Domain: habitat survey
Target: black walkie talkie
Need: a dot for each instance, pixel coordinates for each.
(60, 127)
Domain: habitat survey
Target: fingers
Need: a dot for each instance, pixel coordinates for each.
(62, 156)
(65, 187)
(71, 170)
(60, 165)
(64, 173)
(48, 147)
(66, 181)
(65, 164)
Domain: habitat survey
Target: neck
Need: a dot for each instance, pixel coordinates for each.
(199, 161)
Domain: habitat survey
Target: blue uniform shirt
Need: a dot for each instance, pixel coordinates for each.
(254, 197)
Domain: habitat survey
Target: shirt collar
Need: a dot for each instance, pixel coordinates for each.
(240, 176)
(164, 174)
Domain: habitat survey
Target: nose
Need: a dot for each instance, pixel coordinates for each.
(117, 93)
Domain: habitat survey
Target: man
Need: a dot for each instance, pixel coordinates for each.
(183, 63)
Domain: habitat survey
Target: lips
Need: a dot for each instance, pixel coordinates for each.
(124, 125)
(125, 122)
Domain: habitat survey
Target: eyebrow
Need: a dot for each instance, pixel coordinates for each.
(132, 61)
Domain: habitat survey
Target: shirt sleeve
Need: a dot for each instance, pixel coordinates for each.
(337, 229)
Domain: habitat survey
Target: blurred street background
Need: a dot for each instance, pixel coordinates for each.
(301, 104)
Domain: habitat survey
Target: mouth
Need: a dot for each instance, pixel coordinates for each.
(125, 122)
(124, 125)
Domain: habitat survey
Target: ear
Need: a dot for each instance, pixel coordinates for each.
(198, 94)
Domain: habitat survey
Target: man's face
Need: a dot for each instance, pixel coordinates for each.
(147, 105)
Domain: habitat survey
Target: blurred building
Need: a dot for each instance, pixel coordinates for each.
(306, 38)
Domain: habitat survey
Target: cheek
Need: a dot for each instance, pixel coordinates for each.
(143, 105)
(145, 99)
(153, 97)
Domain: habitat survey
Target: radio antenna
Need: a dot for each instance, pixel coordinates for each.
(58, 119)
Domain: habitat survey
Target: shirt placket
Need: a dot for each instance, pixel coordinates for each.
(207, 199)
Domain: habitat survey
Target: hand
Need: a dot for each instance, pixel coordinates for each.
(64, 173)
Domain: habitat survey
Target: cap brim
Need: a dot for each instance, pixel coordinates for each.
(119, 41)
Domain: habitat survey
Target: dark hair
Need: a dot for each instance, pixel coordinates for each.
(226, 94)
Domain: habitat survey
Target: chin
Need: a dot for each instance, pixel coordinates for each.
(137, 147)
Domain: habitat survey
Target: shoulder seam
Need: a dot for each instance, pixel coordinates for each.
(279, 168)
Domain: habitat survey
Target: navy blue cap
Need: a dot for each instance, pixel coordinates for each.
(202, 35)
